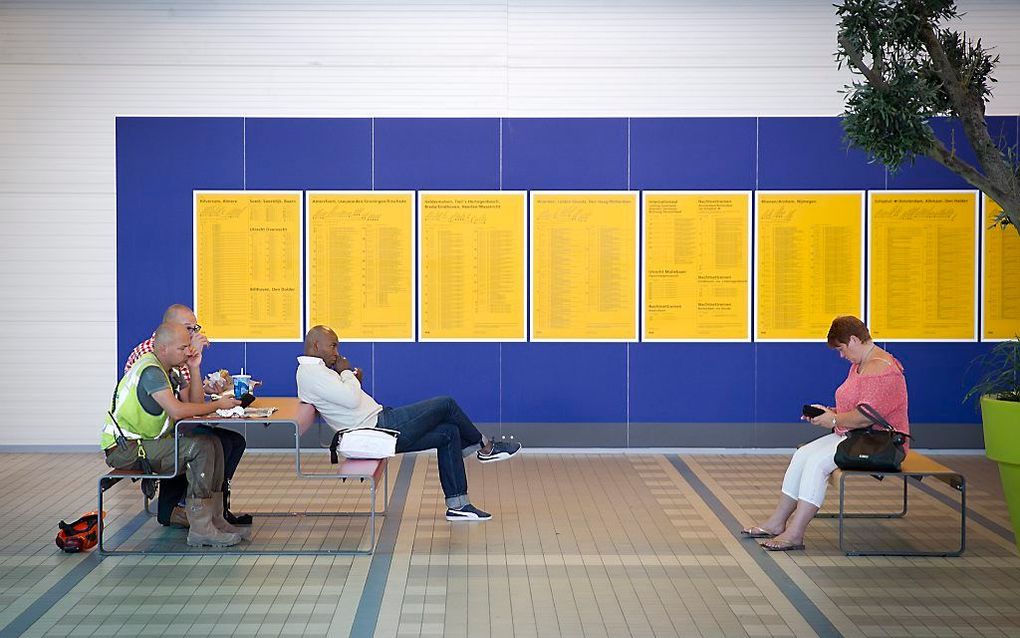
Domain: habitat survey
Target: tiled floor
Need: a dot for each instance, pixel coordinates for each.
(581, 545)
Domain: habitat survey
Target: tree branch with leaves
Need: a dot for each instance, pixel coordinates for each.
(912, 68)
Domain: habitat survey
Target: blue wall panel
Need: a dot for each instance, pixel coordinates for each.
(579, 382)
(426, 154)
(309, 154)
(302, 154)
(565, 154)
(275, 364)
(469, 372)
(808, 153)
(437, 154)
(792, 374)
(692, 382)
(925, 173)
(160, 161)
(697, 153)
(937, 378)
(231, 356)
(565, 382)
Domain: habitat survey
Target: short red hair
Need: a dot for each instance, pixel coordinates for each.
(843, 328)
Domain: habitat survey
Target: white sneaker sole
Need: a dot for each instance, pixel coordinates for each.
(472, 519)
(209, 543)
(502, 456)
(212, 544)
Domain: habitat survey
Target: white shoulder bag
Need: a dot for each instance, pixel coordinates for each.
(364, 443)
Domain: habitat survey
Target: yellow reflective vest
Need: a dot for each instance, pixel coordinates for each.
(134, 421)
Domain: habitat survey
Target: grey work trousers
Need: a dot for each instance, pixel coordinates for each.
(200, 456)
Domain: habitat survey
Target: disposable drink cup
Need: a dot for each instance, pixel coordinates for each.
(242, 384)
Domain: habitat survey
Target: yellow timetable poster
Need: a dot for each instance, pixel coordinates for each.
(1001, 317)
(472, 266)
(360, 278)
(696, 266)
(810, 256)
(923, 265)
(248, 265)
(584, 266)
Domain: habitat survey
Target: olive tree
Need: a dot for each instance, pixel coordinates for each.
(909, 67)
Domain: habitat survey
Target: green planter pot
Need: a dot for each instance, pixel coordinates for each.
(1001, 421)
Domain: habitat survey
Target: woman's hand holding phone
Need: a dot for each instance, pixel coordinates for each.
(818, 415)
(811, 411)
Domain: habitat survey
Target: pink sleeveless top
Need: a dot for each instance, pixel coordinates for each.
(886, 392)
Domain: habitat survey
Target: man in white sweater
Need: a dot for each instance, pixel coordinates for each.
(327, 380)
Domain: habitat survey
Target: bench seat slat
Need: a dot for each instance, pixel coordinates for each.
(125, 472)
(362, 468)
(306, 416)
(916, 462)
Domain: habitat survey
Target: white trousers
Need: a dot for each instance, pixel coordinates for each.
(810, 467)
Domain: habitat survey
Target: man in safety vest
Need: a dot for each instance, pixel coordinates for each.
(191, 388)
(140, 425)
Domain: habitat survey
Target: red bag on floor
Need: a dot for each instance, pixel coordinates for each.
(81, 535)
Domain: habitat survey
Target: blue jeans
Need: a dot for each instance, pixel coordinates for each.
(441, 425)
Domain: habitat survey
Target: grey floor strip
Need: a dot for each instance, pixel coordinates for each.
(1001, 530)
(69, 581)
(367, 616)
(800, 601)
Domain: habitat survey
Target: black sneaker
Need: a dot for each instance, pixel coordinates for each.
(467, 513)
(149, 487)
(501, 451)
(237, 519)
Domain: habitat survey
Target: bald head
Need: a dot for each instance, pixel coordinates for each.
(318, 336)
(172, 344)
(179, 313)
(321, 342)
(167, 333)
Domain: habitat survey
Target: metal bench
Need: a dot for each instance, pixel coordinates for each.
(301, 416)
(915, 466)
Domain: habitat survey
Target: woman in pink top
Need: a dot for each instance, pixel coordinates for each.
(875, 378)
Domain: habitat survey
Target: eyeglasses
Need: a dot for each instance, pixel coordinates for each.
(194, 329)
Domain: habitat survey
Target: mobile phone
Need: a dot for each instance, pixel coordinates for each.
(811, 411)
(247, 399)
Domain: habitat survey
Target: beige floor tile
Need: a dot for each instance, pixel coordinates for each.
(581, 545)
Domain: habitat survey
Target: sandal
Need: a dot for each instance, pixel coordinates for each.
(781, 546)
(756, 532)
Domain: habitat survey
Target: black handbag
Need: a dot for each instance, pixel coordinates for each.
(871, 449)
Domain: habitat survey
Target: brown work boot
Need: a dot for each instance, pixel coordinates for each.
(179, 518)
(221, 523)
(202, 531)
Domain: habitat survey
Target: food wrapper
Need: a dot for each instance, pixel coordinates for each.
(218, 376)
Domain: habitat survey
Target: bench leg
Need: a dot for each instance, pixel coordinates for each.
(961, 485)
(844, 514)
(386, 489)
(903, 512)
(963, 514)
(102, 550)
(842, 509)
(371, 520)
